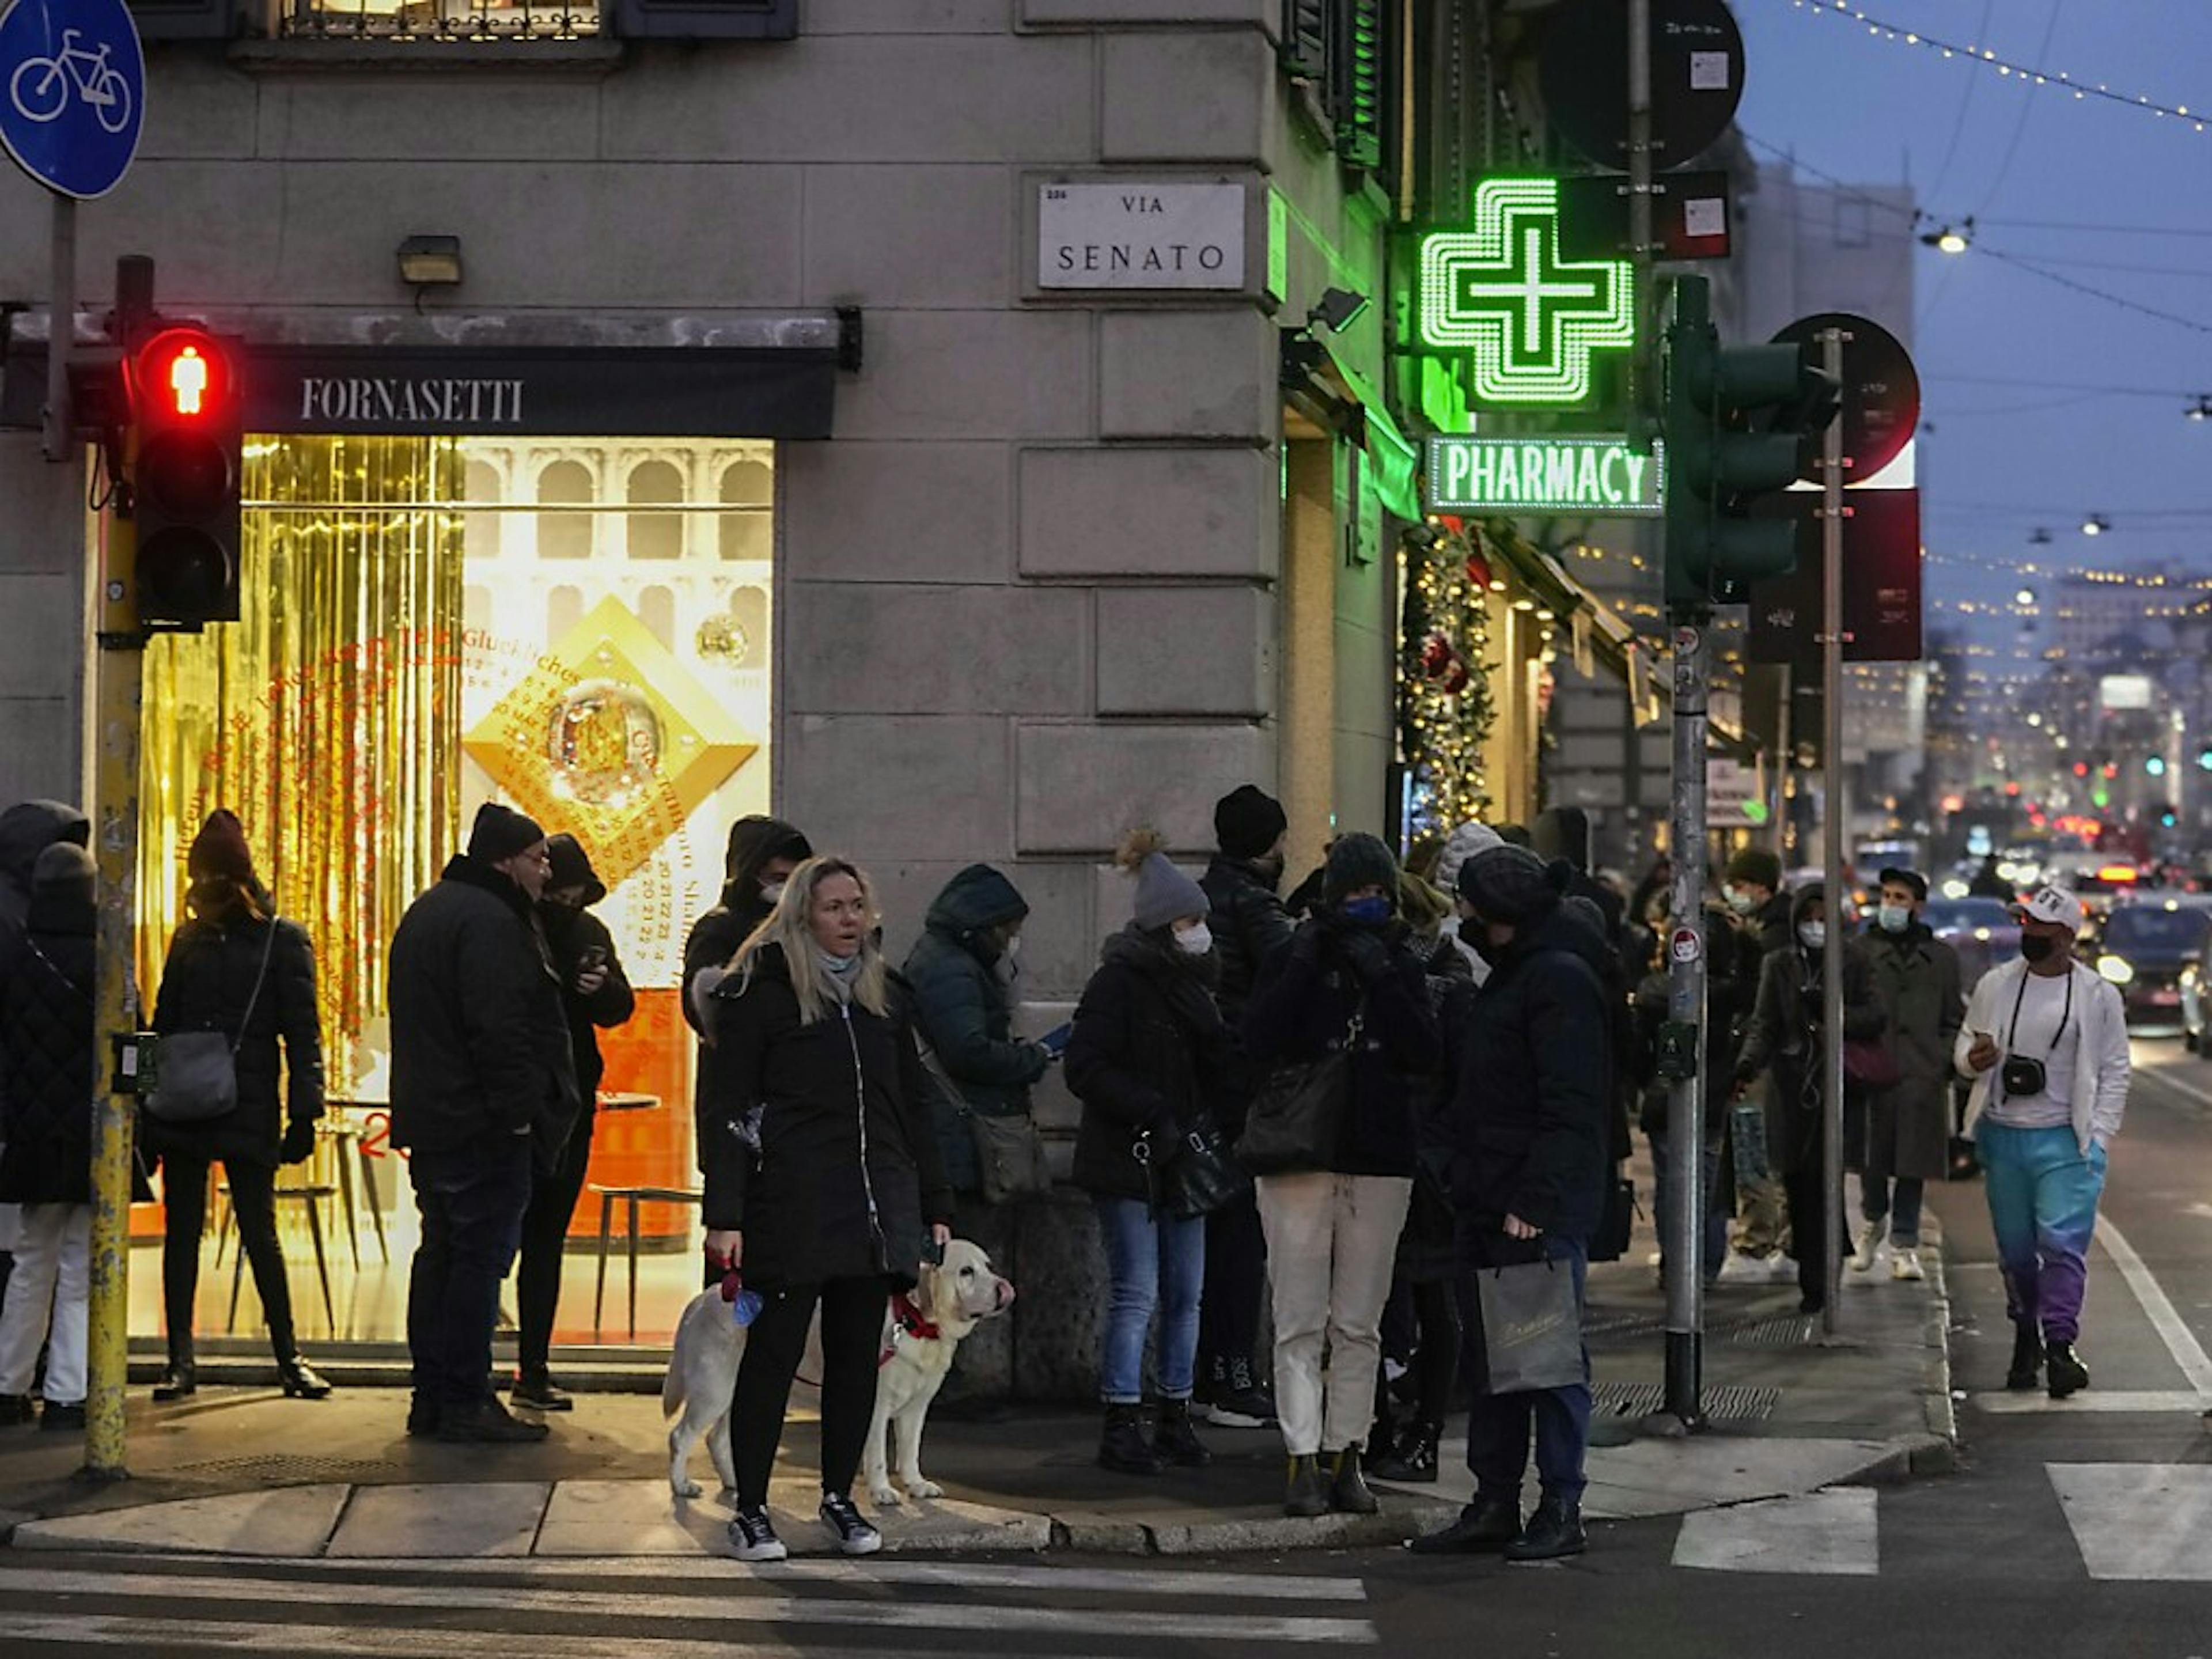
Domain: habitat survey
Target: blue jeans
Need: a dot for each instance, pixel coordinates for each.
(1713, 1245)
(1158, 1265)
(1498, 1424)
(1902, 1211)
(471, 1200)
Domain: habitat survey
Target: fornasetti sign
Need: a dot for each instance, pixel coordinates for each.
(1140, 236)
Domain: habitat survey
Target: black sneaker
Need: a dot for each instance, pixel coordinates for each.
(2063, 1372)
(854, 1533)
(1554, 1531)
(421, 1419)
(487, 1423)
(63, 1420)
(535, 1390)
(1484, 1527)
(1240, 1401)
(15, 1410)
(754, 1539)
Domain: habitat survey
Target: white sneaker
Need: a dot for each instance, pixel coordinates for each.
(752, 1537)
(1905, 1263)
(1781, 1267)
(1869, 1243)
(1742, 1269)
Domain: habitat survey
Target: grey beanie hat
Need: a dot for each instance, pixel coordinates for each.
(1470, 838)
(1166, 894)
(1512, 885)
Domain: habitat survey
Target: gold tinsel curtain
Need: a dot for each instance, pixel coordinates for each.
(328, 717)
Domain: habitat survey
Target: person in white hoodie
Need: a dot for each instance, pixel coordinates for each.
(2045, 1043)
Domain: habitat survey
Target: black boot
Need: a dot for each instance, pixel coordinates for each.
(1173, 1440)
(1414, 1459)
(487, 1423)
(1485, 1526)
(1555, 1530)
(1306, 1493)
(1348, 1489)
(1124, 1446)
(300, 1380)
(2026, 1357)
(180, 1382)
(2063, 1369)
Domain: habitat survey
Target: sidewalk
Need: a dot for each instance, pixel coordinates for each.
(246, 1472)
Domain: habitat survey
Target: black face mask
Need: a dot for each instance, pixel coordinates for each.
(1269, 869)
(1476, 933)
(2037, 947)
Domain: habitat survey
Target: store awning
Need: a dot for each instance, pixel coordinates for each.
(1339, 398)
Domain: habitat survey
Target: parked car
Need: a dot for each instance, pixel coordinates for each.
(1981, 929)
(2144, 948)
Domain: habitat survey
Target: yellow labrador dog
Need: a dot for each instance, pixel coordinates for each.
(920, 1333)
(703, 1376)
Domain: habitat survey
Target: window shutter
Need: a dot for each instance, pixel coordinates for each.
(1304, 51)
(187, 20)
(706, 20)
(1359, 77)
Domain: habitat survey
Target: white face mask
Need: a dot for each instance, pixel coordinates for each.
(1739, 900)
(1814, 934)
(1013, 948)
(771, 892)
(1196, 940)
(1894, 918)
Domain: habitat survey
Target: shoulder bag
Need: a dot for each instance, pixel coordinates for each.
(1297, 1115)
(1195, 1174)
(1010, 1157)
(196, 1072)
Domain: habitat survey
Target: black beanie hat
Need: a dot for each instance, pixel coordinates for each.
(1357, 862)
(501, 832)
(1248, 821)
(572, 868)
(1756, 864)
(1512, 885)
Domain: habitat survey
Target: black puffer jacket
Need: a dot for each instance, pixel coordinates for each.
(1532, 1077)
(1303, 1005)
(1249, 925)
(817, 1143)
(965, 1012)
(26, 830)
(1148, 1053)
(46, 1052)
(480, 1046)
(207, 985)
(754, 842)
(1783, 1036)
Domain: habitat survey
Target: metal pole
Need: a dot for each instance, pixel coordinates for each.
(1639, 190)
(1831, 835)
(1684, 1221)
(116, 697)
(61, 329)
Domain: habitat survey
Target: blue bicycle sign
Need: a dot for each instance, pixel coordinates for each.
(42, 88)
(72, 92)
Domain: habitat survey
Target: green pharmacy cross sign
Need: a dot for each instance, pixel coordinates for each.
(1529, 318)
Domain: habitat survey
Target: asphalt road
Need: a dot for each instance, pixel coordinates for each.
(2074, 1529)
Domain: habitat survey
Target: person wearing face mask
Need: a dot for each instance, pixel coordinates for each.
(1241, 882)
(1751, 889)
(1349, 979)
(1783, 1044)
(1147, 1057)
(2045, 1043)
(1908, 1129)
(596, 996)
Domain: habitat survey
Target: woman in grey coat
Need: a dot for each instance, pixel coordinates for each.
(1908, 1127)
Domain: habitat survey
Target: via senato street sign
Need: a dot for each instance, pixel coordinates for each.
(1601, 475)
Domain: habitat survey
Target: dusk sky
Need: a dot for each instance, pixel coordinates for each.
(2046, 403)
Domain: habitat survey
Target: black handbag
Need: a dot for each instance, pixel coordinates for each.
(196, 1072)
(1610, 1241)
(1298, 1114)
(1194, 1175)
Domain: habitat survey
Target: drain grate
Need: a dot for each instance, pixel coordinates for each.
(1784, 1331)
(285, 1471)
(1623, 1324)
(1723, 1404)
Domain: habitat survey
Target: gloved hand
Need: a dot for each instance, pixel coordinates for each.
(1368, 955)
(299, 1140)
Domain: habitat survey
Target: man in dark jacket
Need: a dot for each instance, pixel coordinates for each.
(484, 1089)
(1751, 889)
(1531, 1082)
(26, 830)
(595, 995)
(1917, 979)
(1250, 926)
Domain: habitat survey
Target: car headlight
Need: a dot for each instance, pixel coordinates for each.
(2115, 969)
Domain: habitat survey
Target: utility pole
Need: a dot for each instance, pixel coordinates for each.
(1833, 512)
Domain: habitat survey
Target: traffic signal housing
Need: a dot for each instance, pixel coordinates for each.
(1737, 422)
(185, 471)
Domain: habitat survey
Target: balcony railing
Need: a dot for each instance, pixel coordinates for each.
(442, 19)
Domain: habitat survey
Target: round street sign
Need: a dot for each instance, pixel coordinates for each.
(1696, 77)
(1882, 391)
(1685, 944)
(72, 92)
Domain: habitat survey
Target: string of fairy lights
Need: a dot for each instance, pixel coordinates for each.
(2029, 76)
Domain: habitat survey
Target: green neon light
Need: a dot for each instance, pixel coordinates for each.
(1541, 475)
(1529, 318)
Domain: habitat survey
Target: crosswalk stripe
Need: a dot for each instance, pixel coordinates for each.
(751, 1609)
(2103, 1401)
(2146, 1522)
(1831, 1532)
(375, 1642)
(882, 1569)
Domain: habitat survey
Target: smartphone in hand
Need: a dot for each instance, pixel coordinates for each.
(1055, 1040)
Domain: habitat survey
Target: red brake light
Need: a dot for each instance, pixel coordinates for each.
(2119, 874)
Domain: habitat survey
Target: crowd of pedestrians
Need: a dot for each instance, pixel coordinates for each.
(1316, 1131)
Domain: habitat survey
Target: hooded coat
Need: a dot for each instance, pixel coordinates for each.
(1148, 1053)
(815, 1139)
(26, 830)
(47, 1051)
(1784, 1037)
(964, 1009)
(754, 842)
(1531, 1091)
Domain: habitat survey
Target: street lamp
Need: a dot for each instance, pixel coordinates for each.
(2095, 525)
(1950, 238)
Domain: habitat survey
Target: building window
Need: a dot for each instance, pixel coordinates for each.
(748, 497)
(655, 535)
(1347, 51)
(565, 535)
(440, 20)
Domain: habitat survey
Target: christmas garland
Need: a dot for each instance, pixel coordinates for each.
(1445, 707)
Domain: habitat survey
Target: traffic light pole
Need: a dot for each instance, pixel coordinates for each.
(1833, 639)
(1683, 1223)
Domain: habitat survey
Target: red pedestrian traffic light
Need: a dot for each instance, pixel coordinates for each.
(185, 475)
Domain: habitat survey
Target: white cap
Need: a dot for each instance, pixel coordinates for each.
(2050, 904)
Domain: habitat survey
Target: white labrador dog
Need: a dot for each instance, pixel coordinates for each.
(920, 1334)
(917, 1343)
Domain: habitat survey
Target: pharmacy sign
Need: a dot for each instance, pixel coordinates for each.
(1528, 318)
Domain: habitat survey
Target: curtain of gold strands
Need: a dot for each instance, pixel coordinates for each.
(328, 717)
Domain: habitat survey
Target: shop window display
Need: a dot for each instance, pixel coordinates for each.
(404, 658)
